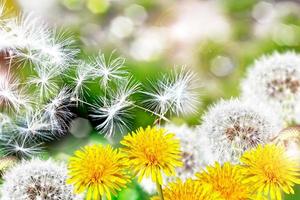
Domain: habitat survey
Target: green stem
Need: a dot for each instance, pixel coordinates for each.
(159, 190)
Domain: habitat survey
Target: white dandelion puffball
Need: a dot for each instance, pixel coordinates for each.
(275, 81)
(37, 179)
(234, 126)
(194, 147)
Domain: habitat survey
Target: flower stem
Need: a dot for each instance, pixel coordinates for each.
(152, 112)
(159, 190)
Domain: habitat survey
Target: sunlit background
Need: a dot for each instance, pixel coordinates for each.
(217, 39)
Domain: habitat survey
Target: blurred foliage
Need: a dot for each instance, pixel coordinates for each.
(238, 7)
(95, 6)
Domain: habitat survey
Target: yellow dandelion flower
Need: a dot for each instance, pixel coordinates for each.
(188, 190)
(100, 170)
(227, 180)
(269, 170)
(152, 151)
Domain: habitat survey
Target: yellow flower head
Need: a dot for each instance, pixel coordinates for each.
(227, 180)
(151, 151)
(189, 190)
(99, 169)
(269, 170)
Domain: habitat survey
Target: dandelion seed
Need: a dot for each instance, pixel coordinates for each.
(21, 147)
(188, 190)
(269, 171)
(37, 179)
(80, 79)
(227, 180)
(4, 120)
(186, 92)
(113, 112)
(108, 70)
(25, 34)
(234, 126)
(160, 97)
(57, 111)
(275, 81)
(4, 39)
(32, 126)
(177, 94)
(11, 98)
(59, 50)
(32, 42)
(100, 170)
(151, 152)
(45, 81)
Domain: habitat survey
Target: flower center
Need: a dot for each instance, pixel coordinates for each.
(96, 171)
(243, 132)
(188, 161)
(41, 190)
(226, 186)
(281, 86)
(151, 156)
(270, 173)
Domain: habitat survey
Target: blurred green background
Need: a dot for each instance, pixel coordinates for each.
(217, 39)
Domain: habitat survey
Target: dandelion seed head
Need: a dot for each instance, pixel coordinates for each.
(234, 126)
(194, 150)
(274, 80)
(37, 179)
